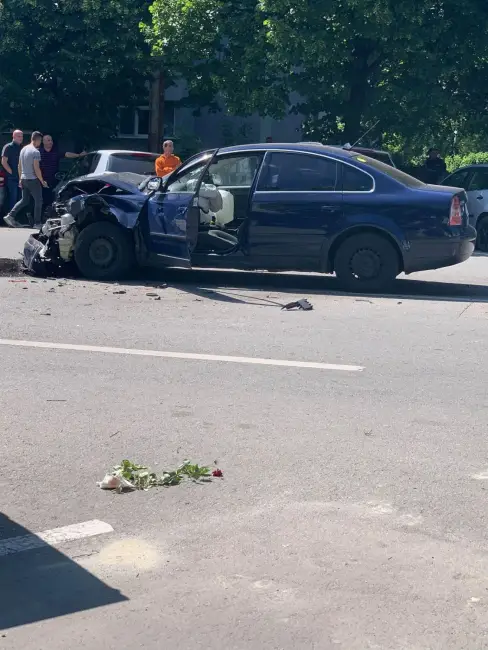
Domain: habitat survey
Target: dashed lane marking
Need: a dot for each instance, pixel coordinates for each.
(53, 537)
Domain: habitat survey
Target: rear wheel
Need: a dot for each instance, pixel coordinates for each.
(482, 234)
(104, 251)
(366, 262)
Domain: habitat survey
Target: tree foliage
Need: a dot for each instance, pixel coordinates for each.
(67, 65)
(408, 65)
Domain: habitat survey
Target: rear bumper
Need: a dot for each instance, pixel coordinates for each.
(437, 253)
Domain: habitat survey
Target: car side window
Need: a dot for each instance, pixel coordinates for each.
(188, 179)
(458, 179)
(297, 172)
(92, 164)
(355, 180)
(234, 171)
(479, 180)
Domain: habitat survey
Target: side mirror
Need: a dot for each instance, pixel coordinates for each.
(154, 184)
(60, 176)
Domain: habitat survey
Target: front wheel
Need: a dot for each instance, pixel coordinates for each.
(366, 262)
(104, 251)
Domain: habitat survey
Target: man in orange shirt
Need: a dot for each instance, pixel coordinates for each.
(167, 162)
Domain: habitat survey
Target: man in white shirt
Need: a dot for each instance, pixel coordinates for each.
(31, 182)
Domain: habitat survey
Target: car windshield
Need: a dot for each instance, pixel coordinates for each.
(127, 177)
(392, 172)
(139, 163)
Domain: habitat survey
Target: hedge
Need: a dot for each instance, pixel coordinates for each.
(455, 162)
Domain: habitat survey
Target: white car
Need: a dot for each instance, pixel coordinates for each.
(111, 160)
(474, 179)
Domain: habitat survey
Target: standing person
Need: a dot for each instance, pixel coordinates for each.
(435, 166)
(50, 159)
(10, 162)
(167, 162)
(31, 181)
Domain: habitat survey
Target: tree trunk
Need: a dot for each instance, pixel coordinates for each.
(156, 121)
(365, 60)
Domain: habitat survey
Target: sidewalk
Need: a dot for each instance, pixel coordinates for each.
(12, 242)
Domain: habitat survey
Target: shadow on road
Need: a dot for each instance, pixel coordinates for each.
(44, 583)
(211, 285)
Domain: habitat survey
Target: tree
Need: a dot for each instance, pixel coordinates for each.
(344, 64)
(68, 65)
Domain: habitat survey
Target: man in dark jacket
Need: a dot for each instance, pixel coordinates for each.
(435, 167)
(10, 162)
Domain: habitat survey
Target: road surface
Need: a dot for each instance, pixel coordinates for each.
(352, 512)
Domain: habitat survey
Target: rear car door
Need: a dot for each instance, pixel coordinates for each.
(477, 192)
(172, 214)
(297, 203)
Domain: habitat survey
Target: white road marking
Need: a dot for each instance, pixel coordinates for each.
(53, 537)
(181, 355)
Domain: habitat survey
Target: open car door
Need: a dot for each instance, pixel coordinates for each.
(173, 215)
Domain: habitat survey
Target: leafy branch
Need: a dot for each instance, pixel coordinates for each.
(130, 476)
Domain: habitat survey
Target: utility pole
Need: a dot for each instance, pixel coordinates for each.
(156, 106)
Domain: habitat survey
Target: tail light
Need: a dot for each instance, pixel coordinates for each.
(456, 214)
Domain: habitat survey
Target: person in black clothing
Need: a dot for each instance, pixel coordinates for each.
(435, 167)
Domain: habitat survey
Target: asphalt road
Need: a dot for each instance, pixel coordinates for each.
(352, 512)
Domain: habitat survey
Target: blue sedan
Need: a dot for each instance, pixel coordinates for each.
(294, 207)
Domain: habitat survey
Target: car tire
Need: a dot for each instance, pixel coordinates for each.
(104, 251)
(482, 234)
(366, 262)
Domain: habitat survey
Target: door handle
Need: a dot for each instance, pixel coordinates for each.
(328, 208)
(480, 198)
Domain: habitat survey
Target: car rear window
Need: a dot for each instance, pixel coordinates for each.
(137, 163)
(392, 172)
(382, 156)
(291, 172)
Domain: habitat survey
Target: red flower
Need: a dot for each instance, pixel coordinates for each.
(218, 473)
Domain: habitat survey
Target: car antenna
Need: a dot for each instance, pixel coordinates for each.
(364, 134)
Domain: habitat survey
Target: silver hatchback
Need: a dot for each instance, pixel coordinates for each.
(474, 179)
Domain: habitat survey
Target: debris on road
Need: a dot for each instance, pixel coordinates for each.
(303, 303)
(152, 295)
(218, 473)
(17, 280)
(129, 476)
(119, 292)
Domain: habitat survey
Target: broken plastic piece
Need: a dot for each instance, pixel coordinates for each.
(111, 482)
(303, 303)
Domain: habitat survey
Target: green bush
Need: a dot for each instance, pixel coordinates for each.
(455, 162)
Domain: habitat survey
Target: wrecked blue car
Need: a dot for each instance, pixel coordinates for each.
(279, 207)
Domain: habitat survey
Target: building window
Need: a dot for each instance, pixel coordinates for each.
(135, 122)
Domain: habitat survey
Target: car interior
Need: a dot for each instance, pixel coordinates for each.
(223, 199)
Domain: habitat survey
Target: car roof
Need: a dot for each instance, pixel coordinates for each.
(308, 147)
(364, 149)
(110, 152)
(471, 166)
